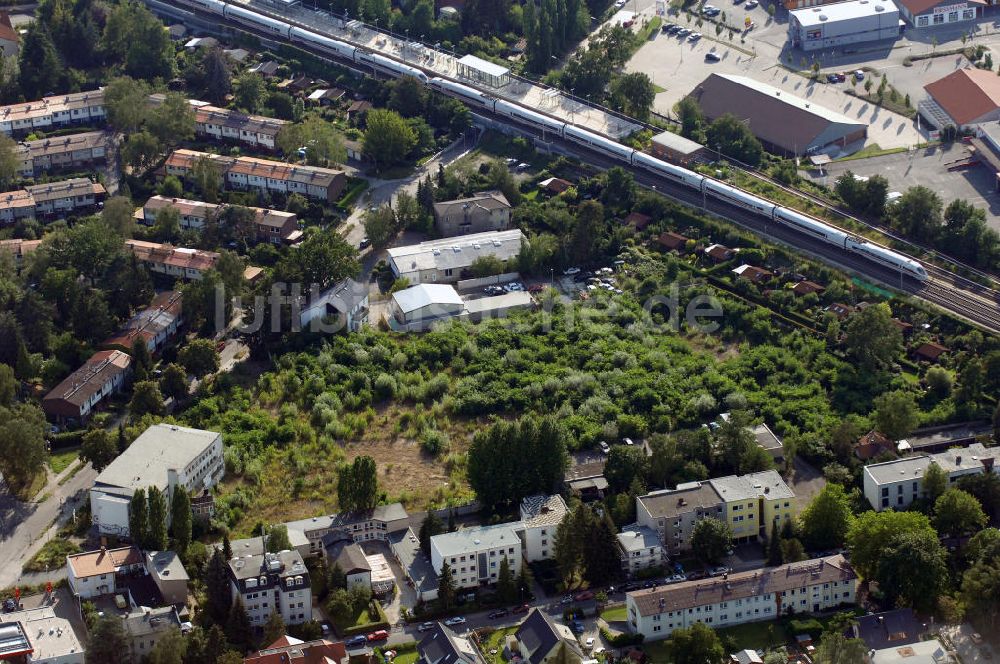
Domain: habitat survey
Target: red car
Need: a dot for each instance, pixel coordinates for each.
(536, 288)
(380, 635)
(521, 609)
(584, 596)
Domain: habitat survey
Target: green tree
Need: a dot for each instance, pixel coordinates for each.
(835, 648)
(323, 258)
(698, 644)
(239, 633)
(39, 64)
(633, 94)
(274, 629)
(906, 553)
(22, 444)
(126, 105)
(172, 120)
(774, 548)
(934, 482)
(174, 382)
(156, 533)
(99, 447)
(957, 512)
(730, 136)
(388, 139)
(146, 399)
(917, 213)
(218, 77)
(711, 539)
(431, 526)
(873, 339)
(277, 539)
(827, 518)
(896, 414)
(380, 225)
(142, 361)
(691, 119)
(199, 357)
(170, 648)
(506, 585)
(625, 464)
(981, 588)
(446, 587)
(8, 385)
(871, 533)
(140, 151)
(138, 518)
(108, 643)
(206, 177)
(939, 381)
(601, 560)
(217, 589)
(357, 484)
(792, 550)
(250, 91)
(10, 163)
(181, 519)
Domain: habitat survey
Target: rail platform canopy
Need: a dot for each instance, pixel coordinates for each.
(483, 71)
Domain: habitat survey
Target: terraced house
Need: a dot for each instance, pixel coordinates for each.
(263, 175)
(274, 226)
(52, 199)
(810, 586)
(53, 112)
(62, 152)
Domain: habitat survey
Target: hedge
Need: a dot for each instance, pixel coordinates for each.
(59, 441)
(622, 639)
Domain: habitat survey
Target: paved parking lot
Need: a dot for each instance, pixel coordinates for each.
(961, 638)
(927, 167)
(679, 66)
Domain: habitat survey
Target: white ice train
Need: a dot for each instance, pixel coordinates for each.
(548, 124)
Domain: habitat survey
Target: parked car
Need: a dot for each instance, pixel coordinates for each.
(356, 641)
(499, 613)
(859, 75)
(751, 4)
(676, 578)
(695, 37)
(9, 605)
(365, 243)
(584, 596)
(628, 441)
(523, 167)
(570, 271)
(718, 571)
(567, 599)
(514, 287)
(712, 56)
(425, 627)
(683, 32)
(521, 609)
(578, 627)
(457, 620)
(649, 584)
(589, 643)
(378, 635)
(620, 3)
(605, 448)
(666, 27)
(695, 575)
(583, 276)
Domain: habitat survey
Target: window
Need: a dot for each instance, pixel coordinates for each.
(952, 17)
(885, 491)
(938, 19)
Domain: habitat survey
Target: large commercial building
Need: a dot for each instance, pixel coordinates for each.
(842, 23)
(474, 554)
(165, 456)
(784, 123)
(810, 586)
(445, 260)
(962, 98)
(930, 13)
(896, 484)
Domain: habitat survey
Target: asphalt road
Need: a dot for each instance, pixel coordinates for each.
(25, 527)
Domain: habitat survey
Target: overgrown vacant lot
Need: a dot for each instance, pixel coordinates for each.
(414, 402)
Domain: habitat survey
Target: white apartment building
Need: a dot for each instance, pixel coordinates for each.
(540, 516)
(165, 456)
(272, 582)
(92, 573)
(474, 554)
(810, 586)
(896, 484)
(640, 548)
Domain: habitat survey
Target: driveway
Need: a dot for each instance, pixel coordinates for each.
(961, 639)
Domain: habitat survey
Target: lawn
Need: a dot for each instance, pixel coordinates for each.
(616, 614)
(52, 555)
(61, 459)
(409, 657)
(757, 636)
(495, 641)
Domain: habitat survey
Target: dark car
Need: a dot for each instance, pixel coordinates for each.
(499, 613)
(356, 641)
(521, 609)
(365, 243)
(9, 605)
(697, 574)
(712, 56)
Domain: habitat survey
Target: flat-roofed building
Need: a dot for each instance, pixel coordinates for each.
(155, 325)
(177, 262)
(39, 636)
(896, 484)
(165, 456)
(76, 397)
(755, 504)
(810, 586)
(447, 259)
(474, 554)
(53, 112)
(480, 213)
(784, 123)
(483, 71)
(676, 148)
(640, 549)
(422, 305)
(841, 23)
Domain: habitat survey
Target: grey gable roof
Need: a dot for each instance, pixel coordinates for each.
(538, 635)
(443, 646)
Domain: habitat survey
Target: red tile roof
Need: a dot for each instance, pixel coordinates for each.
(806, 287)
(289, 650)
(871, 445)
(930, 351)
(966, 94)
(672, 240)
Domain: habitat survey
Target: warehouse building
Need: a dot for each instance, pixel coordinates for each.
(931, 13)
(962, 98)
(843, 23)
(785, 124)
